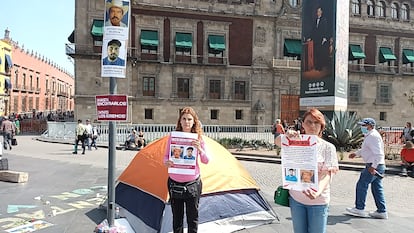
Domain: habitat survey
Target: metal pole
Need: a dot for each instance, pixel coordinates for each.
(111, 161)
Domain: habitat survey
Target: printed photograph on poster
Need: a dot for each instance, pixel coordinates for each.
(117, 19)
(115, 54)
(182, 153)
(318, 39)
(114, 58)
(299, 162)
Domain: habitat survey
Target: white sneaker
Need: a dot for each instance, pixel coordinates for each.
(356, 212)
(376, 214)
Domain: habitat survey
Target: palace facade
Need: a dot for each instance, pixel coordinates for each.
(237, 62)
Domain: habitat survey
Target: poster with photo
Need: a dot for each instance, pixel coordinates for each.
(299, 162)
(182, 153)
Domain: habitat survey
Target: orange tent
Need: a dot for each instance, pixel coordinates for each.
(229, 192)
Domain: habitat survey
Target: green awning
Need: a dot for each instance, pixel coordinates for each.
(216, 42)
(97, 27)
(408, 56)
(386, 54)
(183, 40)
(292, 48)
(355, 52)
(149, 38)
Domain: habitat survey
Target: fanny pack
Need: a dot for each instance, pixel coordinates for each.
(184, 190)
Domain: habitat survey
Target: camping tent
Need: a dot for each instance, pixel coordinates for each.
(230, 200)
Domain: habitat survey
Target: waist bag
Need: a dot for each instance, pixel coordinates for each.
(179, 190)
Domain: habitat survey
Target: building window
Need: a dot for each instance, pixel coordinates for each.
(384, 93)
(148, 86)
(216, 46)
(183, 88)
(354, 93)
(394, 10)
(383, 116)
(240, 90)
(214, 114)
(149, 41)
(148, 114)
(214, 89)
(97, 32)
(370, 8)
(405, 12)
(239, 114)
(16, 80)
(24, 82)
(356, 7)
(381, 9)
(37, 84)
(294, 3)
(183, 46)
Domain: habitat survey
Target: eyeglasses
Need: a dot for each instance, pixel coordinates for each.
(309, 122)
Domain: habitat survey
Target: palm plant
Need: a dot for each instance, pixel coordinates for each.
(343, 131)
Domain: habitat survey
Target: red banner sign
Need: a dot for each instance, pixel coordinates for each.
(112, 107)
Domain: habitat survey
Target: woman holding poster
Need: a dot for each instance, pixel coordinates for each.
(309, 206)
(184, 183)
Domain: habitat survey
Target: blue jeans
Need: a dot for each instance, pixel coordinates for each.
(377, 189)
(308, 218)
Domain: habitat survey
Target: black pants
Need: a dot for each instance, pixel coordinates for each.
(82, 140)
(191, 209)
(7, 140)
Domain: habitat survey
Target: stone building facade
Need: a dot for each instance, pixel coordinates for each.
(36, 84)
(235, 61)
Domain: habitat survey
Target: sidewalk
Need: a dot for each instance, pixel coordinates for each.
(66, 172)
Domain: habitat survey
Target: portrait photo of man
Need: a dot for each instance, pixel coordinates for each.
(291, 175)
(112, 57)
(116, 13)
(189, 154)
(318, 39)
(176, 152)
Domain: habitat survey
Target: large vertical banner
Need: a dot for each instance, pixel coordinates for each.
(115, 38)
(324, 70)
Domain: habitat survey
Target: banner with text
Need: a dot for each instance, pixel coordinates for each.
(112, 107)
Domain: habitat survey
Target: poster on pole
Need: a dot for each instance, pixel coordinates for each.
(111, 107)
(183, 153)
(115, 38)
(299, 162)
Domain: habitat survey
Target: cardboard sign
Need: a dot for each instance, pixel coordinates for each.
(112, 107)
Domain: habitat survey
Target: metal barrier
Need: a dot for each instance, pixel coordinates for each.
(66, 131)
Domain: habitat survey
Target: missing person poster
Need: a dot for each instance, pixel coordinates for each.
(299, 162)
(182, 153)
(115, 38)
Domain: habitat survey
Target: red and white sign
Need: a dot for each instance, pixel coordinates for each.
(112, 107)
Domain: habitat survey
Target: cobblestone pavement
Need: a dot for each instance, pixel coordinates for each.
(62, 181)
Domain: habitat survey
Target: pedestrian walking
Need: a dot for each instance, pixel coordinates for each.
(9, 130)
(372, 152)
(80, 136)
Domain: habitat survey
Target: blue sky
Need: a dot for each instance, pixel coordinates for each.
(42, 26)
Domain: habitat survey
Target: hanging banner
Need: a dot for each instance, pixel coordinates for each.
(324, 71)
(115, 38)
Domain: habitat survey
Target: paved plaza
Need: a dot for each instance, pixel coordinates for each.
(66, 190)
